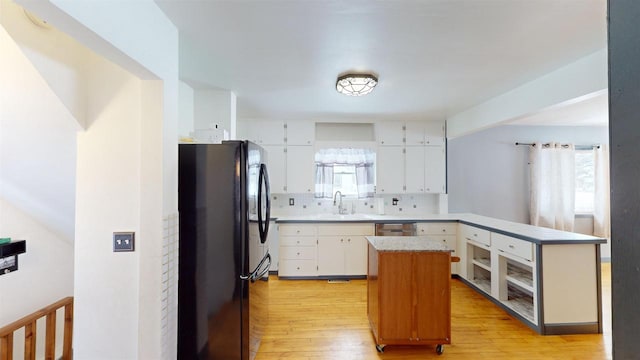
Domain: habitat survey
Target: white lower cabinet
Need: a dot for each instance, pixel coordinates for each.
(298, 250)
(540, 291)
(502, 267)
(308, 250)
(444, 232)
(342, 249)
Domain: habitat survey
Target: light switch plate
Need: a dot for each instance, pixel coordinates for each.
(123, 241)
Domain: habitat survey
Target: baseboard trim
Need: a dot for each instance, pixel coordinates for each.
(571, 328)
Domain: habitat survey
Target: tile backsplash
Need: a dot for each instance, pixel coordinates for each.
(307, 204)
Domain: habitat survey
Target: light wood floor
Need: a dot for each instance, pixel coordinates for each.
(311, 319)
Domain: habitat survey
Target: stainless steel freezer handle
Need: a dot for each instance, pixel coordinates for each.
(265, 270)
(260, 270)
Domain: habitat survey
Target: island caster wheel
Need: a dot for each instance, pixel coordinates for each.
(380, 348)
(439, 349)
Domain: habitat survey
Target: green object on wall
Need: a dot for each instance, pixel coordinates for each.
(5, 240)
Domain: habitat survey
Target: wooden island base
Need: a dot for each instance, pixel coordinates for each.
(409, 294)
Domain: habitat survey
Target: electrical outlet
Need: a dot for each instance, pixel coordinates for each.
(292, 201)
(123, 241)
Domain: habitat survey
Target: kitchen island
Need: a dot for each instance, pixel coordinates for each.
(409, 291)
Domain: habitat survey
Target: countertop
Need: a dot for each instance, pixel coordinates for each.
(534, 234)
(406, 243)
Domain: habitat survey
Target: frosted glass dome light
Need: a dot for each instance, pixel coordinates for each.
(356, 84)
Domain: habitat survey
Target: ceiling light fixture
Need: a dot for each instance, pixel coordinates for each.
(36, 20)
(356, 84)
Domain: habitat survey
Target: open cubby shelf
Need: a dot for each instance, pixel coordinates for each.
(520, 276)
(521, 302)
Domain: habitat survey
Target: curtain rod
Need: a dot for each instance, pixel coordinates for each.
(564, 145)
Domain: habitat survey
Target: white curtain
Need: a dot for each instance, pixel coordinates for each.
(324, 180)
(362, 159)
(601, 207)
(552, 202)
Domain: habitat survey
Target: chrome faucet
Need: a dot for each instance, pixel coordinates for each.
(341, 210)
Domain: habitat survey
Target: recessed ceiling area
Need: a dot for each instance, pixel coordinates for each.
(434, 58)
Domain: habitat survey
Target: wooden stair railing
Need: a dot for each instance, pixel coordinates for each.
(29, 324)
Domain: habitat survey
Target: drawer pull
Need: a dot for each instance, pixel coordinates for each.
(444, 230)
(511, 247)
(298, 268)
(298, 254)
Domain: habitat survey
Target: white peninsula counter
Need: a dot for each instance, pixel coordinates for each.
(549, 279)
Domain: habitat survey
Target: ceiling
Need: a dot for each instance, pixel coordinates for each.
(434, 58)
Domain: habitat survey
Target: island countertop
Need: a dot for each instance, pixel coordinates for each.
(406, 243)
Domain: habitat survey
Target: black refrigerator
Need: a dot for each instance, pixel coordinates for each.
(224, 207)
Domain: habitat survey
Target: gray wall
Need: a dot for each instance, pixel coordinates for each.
(488, 174)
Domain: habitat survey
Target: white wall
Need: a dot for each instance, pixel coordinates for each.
(37, 143)
(488, 174)
(214, 108)
(56, 56)
(37, 185)
(108, 200)
(185, 110)
(45, 271)
(137, 164)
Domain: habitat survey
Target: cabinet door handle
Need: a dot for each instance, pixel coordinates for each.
(349, 240)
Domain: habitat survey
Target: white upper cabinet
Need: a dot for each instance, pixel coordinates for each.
(265, 132)
(390, 133)
(300, 169)
(276, 165)
(424, 133)
(435, 176)
(415, 133)
(300, 132)
(390, 170)
(414, 169)
(434, 133)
